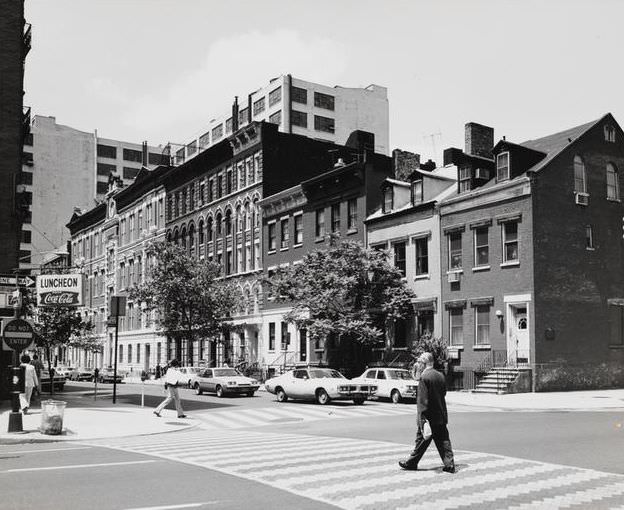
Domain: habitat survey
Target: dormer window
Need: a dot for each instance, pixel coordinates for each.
(609, 133)
(464, 179)
(502, 166)
(417, 191)
(388, 199)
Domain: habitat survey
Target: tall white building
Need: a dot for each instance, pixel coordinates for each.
(64, 169)
(303, 108)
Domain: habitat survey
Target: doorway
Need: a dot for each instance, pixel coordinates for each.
(518, 345)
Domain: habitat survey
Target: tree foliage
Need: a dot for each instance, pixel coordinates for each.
(192, 300)
(436, 346)
(345, 290)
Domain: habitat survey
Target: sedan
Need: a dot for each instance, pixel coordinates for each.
(107, 375)
(59, 381)
(393, 383)
(319, 384)
(187, 374)
(224, 381)
(81, 374)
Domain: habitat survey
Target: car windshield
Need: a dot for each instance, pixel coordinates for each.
(320, 373)
(225, 372)
(399, 374)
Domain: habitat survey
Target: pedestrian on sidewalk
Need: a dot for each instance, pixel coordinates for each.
(432, 416)
(172, 377)
(36, 362)
(30, 382)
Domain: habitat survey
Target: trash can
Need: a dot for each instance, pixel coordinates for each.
(52, 417)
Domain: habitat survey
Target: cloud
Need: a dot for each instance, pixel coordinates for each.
(232, 66)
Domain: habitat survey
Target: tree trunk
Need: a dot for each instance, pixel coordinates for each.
(50, 373)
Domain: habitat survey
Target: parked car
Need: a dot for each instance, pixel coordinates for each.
(81, 374)
(396, 384)
(223, 381)
(107, 375)
(63, 371)
(59, 381)
(187, 375)
(320, 384)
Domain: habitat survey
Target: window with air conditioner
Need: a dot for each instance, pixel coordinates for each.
(580, 181)
(455, 250)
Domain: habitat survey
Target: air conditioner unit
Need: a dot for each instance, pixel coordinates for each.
(581, 198)
(454, 277)
(482, 173)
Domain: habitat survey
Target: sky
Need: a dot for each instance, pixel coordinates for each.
(159, 70)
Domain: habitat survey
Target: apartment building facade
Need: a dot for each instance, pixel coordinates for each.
(303, 108)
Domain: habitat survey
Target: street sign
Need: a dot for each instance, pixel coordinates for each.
(9, 300)
(59, 290)
(22, 281)
(18, 334)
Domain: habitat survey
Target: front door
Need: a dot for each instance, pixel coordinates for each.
(518, 336)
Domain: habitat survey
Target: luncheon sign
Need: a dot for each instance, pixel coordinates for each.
(59, 290)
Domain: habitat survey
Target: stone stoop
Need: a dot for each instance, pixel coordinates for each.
(497, 380)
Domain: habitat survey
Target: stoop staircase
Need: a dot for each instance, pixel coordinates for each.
(497, 380)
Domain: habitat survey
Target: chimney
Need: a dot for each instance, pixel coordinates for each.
(404, 163)
(235, 115)
(479, 140)
(429, 166)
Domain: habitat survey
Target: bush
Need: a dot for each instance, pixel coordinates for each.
(436, 346)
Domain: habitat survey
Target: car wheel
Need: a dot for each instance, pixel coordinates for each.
(251, 394)
(219, 391)
(198, 390)
(322, 397)
(281, 395)
(359, 401)
(395, 396)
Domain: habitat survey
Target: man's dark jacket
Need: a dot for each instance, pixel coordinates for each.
(431, 402)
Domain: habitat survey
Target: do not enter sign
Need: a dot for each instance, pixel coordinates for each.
(18, 334)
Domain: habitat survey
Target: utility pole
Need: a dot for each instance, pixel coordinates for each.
(117, 309)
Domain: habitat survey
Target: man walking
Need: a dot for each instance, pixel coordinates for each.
(172, 377)
(431, 414)
(30, 382)
(38, 368)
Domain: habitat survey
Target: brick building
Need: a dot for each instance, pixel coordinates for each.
(532, 250)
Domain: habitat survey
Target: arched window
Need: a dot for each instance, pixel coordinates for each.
(192, 239)
(209, 230)
(228, 222)
(169, 238)
(256, 213)
(247, 217)
(613, 184)
(246, 302)
(175, 237)
(183, 238)
(219, 225)
(200, 232)
(239, 219)
(580, 176)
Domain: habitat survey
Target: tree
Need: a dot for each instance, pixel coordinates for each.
(343, 295)
(56, 327)
(436, 346)
(88, 341)
(192, 300)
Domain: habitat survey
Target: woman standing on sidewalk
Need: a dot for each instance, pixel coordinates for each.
(172, 377)
(30, 382)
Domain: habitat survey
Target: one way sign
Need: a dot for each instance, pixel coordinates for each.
(22, 281)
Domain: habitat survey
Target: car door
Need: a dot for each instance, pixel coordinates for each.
(207, 380)
(296, 384)
(383, 389)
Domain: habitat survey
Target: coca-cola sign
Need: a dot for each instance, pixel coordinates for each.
(59, 290)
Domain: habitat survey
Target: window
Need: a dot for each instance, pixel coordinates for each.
(217, 132)
(219, 185)
(229, 262)
(130, 173)
(464, 179)
(26, 178)
(417, 191)
(285, 233)
(298, 229)
(616, 325)
(275, 96)
(209, 230)
(272, 238)
(228, 222)
(180, 155)
(102, 187)
(271, 336)
(609, 132)
(335, 218)
(210, 190)
(324, 124)
(456, 326)
(388, 200)
(323, 101)
(613, 185)
(422, 255)
(510, 241)
(105, 169)
(482, 322)
(482, 249)
(204, 141)
(399, 257)
(157, 159)
(351, 214)
(455, 250)
(319, 230)
(130, 353)
(299, 95)
(106, 151)
(229, 125)
(285, 339)
(191, 148)
(24, 256)
(580, 177)
(228, 181)
(276, 118)
(258, 106)
(138, 352)
(502, 166)
(121, 354)
(589, 237)
(219, 225)
(133, 155)
(299, 119)
(243, 116)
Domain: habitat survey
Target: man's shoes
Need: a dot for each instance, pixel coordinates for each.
(449, 469)
(182, 416)
(157, 413)
(408, 467)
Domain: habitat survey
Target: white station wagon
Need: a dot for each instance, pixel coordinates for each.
(396, 384)
(223, 381)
